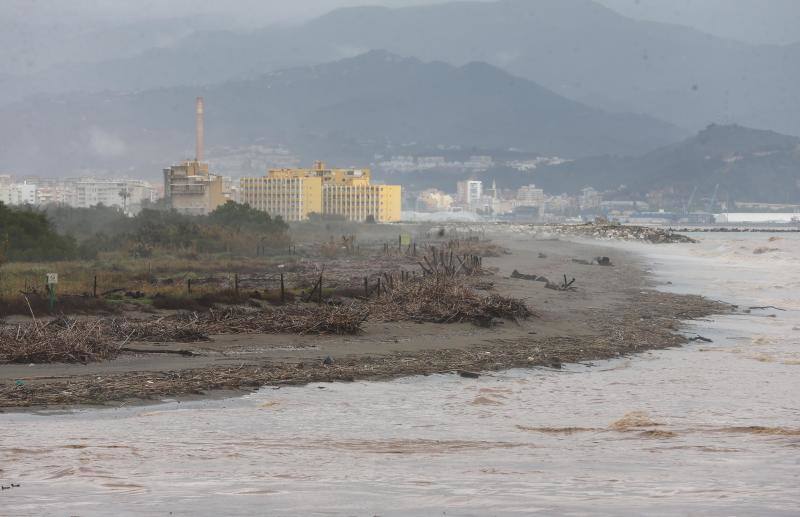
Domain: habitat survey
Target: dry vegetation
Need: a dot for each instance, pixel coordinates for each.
(442, 299)
(216, 294)
(650, 324)
(58, 341)
(439, 299)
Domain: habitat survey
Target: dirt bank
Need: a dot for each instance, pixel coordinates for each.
(612, 311)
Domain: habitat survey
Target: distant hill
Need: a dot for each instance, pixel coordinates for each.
(747, 164)
(346, 110)
(576, 48)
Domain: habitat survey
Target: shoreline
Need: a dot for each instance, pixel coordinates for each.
(615, 311)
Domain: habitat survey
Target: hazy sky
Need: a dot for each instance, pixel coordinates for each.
(36, 34)
(757, 21)
(775, 21)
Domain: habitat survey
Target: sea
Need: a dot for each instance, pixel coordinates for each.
(711, 428)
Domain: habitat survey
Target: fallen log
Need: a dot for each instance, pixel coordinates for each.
(185, 353)
(523, 276)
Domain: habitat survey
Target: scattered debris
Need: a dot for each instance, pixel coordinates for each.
(764, 249)
(293, 319)
(441, 299)
(523, 276)
(603, 261)
(701, 338)
(563, 286)
(58, 341)
(468, 374)
(185, 353)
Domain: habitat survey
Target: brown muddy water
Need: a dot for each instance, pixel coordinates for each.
(709, 429)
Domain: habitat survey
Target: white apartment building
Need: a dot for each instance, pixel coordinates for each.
(529, 195)
(589, 199)
(127, 194)
(78, 192)
(17, 193)
(469, 192)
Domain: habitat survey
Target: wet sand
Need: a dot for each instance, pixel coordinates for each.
(613, 312)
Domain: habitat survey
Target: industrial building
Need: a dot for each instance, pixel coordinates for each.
(294, 194)
(189, 187)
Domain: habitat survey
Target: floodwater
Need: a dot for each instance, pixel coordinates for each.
(708, 429)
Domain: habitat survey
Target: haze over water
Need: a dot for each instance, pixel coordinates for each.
(711, 428)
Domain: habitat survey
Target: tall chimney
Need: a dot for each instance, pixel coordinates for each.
(199, 130)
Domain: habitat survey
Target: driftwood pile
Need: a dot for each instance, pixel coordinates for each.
(322, 319)
(81, 341)
(159, 331)
(56, 341)
(444, 299)
(442, 262)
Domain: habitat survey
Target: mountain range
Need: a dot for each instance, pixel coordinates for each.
(746, 165)
(576, 48)
(345, 110)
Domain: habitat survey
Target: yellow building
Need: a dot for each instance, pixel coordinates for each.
(295, 193)
(292, 198)
(357, 202)
(190, 189)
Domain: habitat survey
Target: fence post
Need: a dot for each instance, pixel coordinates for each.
(236, 283)
(319, 299)
(94, 287)
(283, 291)
(366, 288)
(188, 286)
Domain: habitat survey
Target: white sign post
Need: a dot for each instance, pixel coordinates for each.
(52, 280)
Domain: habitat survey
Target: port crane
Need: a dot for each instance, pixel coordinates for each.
(713, 200)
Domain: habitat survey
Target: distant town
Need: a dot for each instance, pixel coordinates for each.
(295, 194)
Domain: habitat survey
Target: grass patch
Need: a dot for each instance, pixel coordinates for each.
(66, 304)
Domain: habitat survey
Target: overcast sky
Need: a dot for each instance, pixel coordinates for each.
(760, 21)
(756, 21)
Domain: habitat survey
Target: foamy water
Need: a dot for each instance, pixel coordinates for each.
(712, 428)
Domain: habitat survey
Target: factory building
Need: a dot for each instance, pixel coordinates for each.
(295, 193)
(189, 187)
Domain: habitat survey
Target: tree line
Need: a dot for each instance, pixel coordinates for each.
(67, 233)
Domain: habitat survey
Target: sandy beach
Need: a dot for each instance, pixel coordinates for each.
(613, 311)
